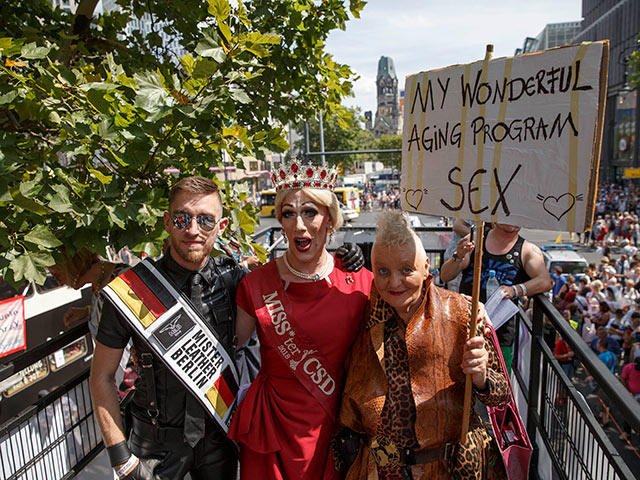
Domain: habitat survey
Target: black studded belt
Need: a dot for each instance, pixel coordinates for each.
(387, 453)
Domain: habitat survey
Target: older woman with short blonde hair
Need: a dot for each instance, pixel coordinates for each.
(407, 408)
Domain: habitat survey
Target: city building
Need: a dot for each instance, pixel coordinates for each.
(552, 35)
(619, 22)
(146, 25)
(68, 5)
(388, 119)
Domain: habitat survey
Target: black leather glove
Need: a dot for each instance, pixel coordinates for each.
(344, 448)
(143, 470)
(351, 255)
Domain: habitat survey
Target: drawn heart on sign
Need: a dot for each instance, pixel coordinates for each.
(414, 198)
(553, 207)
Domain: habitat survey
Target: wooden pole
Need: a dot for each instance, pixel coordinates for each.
(475, 298)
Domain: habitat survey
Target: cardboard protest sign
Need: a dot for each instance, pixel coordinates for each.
(12, 328)
(514, 140)
(179, 336)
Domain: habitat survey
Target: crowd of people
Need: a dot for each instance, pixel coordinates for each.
(603, 306)
(617, 220)
(381, 199)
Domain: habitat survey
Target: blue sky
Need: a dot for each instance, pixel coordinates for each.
(426, 34)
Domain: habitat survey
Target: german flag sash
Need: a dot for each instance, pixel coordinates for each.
(178, 334)
(295, 348)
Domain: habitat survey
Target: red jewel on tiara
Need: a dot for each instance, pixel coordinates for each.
(294, 175)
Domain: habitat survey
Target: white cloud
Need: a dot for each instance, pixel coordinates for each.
(426, 34)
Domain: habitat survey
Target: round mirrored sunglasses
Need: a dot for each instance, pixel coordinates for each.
(183, 220)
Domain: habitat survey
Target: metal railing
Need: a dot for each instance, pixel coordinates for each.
(569, 443)
(434, 239)
(56, 437)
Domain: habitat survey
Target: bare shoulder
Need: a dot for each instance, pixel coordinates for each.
(532, 250)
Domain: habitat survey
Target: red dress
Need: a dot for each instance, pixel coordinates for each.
(283, 431)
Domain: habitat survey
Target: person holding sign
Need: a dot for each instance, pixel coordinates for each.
(403, 398)
(307, 310)
(519, 267)
(172, 434)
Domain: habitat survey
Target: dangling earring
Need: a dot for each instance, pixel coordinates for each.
(331, 232)
(284, 235)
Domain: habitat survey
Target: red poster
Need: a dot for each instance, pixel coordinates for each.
(13, 336)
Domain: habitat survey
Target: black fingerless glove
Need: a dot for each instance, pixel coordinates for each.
(143, 470)
(351, 255)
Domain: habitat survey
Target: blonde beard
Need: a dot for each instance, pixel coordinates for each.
(192, 256)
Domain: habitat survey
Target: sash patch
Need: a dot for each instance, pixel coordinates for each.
(171, 331)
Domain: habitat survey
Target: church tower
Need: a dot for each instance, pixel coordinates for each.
(388, 113)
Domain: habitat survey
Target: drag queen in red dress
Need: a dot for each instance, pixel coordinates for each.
(307, 312)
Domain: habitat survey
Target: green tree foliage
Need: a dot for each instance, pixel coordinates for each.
(389, 142)
(92, 118)
(343, 131)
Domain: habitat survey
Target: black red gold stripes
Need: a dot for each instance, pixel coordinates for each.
(223, 392)
(143, 294)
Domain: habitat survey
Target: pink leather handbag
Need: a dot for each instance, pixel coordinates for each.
(509, 430)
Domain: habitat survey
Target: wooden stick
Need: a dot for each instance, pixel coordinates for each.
(475, 297)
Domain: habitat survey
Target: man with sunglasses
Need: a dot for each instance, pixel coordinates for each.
(171, 434)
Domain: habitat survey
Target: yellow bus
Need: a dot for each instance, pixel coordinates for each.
(349, 196)
(268, 203)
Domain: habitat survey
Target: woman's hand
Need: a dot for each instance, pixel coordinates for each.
(465, 245)
(474, 361)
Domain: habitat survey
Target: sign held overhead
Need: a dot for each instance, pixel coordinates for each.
(513, 140)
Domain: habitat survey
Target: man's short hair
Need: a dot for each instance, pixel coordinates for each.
(194, 184)
(558, 268)
(635, 315)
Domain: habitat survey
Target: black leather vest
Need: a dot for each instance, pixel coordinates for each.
(219, 294)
